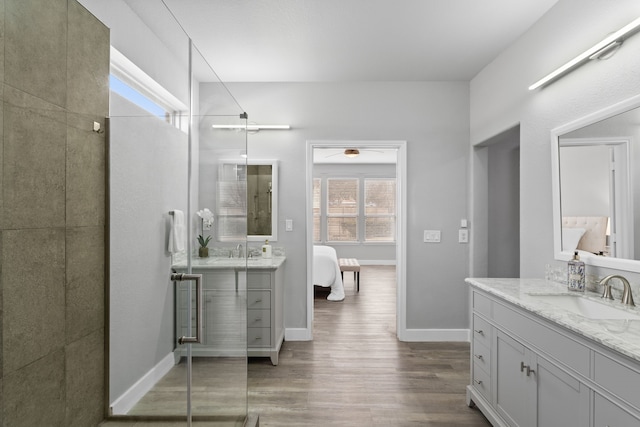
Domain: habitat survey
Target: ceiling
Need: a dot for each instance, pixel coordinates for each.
(348, 40)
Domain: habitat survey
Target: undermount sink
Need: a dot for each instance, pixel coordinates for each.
(586, 307)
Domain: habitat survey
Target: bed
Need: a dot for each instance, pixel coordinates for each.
(326, 271)
(585, 234)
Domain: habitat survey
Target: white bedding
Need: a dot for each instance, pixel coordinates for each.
(326, 271)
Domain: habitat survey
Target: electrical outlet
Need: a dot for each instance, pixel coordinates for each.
(463, 236)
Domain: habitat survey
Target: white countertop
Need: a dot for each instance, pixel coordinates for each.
(222, 263)
(622, 336)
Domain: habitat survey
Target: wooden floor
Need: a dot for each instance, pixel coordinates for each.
(356, 373)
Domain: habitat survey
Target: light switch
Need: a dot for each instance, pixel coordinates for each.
(432, 236)
(288, 225)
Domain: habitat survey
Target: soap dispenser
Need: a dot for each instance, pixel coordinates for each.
(266, 250)
(575, 274)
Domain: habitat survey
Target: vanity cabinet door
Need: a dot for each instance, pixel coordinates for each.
(515, 391)
(609, 415)
(561, 399)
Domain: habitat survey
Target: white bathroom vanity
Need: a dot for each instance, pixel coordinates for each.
(543, 356)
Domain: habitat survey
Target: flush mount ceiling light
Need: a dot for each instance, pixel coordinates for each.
(601, 50)
(351, 152)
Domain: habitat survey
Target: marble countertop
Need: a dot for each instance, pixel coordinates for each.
(223, 263)
(622, 336)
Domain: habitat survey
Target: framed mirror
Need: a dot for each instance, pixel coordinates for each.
(247, 190)
(596, 187)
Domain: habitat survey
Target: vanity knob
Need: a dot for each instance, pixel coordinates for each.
(522, 366)
(479, 331)
(479, 356)
(477, 381)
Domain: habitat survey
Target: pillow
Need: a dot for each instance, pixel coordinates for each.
(571, 237)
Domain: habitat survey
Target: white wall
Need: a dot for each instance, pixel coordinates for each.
(500, 99)
(433, 118)
(148, 178)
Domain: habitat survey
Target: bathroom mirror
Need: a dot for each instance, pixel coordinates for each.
(596, 187)
(248, 190)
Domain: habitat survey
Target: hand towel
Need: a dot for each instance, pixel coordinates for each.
(177, 233)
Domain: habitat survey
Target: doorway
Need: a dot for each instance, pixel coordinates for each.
(496, 206)
(399, 149)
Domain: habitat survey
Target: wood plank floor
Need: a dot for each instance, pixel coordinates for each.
(356, 373)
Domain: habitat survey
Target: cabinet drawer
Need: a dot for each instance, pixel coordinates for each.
(258, 299)
(259, 337)
(481, 356)
(481, 331)
(259, 318)
(559, 346)
(482, 304)
(481, 382)
(608, 414)
(618, 379)
(258, 280)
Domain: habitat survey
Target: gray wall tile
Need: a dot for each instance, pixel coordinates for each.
(32, 295)
(36, 48)
(34, 395)
(85, 282)
(86, 163)
(34, 162)
(84, 380)
(88, 63)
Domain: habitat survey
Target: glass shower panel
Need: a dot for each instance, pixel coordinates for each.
(162, 211)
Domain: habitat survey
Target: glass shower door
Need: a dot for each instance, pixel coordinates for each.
(163, 209)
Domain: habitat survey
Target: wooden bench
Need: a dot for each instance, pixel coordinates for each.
(350, 264)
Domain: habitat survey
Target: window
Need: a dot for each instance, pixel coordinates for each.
(317, 193)
(342, 210)
(131, 94)
(379, 210)
(344, 213)
(132, 83)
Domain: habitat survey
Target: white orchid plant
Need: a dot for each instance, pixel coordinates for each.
(207, 218)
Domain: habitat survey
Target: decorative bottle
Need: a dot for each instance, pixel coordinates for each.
(266, 250)
(575, 274)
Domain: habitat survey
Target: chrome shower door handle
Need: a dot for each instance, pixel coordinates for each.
(179, 277)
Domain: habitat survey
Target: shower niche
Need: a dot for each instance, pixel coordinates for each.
(247, 196)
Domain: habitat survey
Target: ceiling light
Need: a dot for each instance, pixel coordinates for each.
(351, 152)
(598, 50)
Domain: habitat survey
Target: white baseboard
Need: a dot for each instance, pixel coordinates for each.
(297, 334)
(123, 404)
(437, 335)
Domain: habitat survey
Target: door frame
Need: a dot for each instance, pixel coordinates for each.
(401, 223)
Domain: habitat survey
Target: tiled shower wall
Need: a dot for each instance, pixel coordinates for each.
(54, 65)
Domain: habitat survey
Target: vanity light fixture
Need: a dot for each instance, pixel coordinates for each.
(252, 127)
(599, 50)
(351, 152)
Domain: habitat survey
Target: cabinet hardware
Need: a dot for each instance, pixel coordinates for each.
(479, 331)
(522, 366)
(530, 371)
(479, 356)
(477, 381)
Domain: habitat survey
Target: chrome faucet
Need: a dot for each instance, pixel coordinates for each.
(627, 297)
(239, 249)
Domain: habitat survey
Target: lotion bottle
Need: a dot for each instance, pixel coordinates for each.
(575, 274)
(266, 250)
